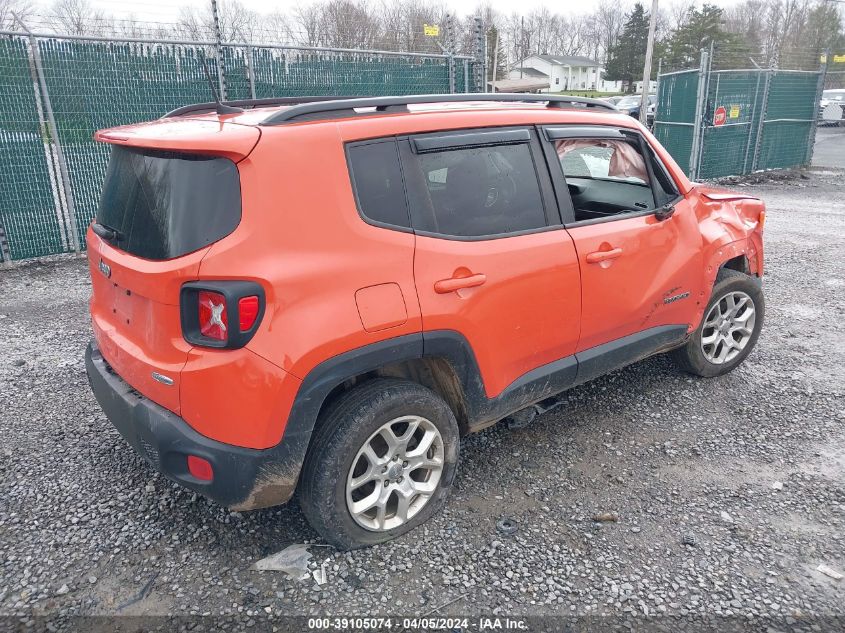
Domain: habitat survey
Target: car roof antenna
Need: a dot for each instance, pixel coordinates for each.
(221, 108)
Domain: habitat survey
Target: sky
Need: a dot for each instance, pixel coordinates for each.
(163, 11)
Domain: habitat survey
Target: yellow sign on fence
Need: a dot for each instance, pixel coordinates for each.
(432, 30)
(836, 59)
(734, 112)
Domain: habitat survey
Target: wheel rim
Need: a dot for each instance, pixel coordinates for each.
(395, 473)
(728, 327)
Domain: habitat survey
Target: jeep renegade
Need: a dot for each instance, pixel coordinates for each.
(323, 295)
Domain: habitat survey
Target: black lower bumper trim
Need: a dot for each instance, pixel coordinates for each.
(243, 478)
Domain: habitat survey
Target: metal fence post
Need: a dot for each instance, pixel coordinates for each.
(811, 141)
(64, 182)
(751, 131)
(221, 64)
(466, 75)
(480, 56)
(450, 51)
(698, 123)
(250, 71)
(5, 253)
(758, 142)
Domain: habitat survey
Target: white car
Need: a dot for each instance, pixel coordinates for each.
(832, 107)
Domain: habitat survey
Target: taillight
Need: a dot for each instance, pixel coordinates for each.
(247, 312)
(222, 314)
(214, 321)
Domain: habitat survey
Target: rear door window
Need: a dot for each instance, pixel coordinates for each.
(163, 205)
(475, 186)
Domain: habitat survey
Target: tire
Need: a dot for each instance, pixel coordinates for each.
(730, 285)
(357, 420)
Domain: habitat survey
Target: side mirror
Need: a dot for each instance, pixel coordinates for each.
(665, 212)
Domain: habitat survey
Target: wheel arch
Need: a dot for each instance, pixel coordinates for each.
(449, 369)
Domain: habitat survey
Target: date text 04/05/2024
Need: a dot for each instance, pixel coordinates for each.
(421, 623)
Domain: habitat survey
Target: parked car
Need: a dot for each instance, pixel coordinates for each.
(326, 295)
(631, 105)
(832, 107)
(612, 100)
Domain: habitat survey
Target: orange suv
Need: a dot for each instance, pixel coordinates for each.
(325, 294)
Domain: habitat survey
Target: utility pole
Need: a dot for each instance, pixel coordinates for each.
(649, 52)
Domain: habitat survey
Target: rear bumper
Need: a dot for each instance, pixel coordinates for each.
(243, 479)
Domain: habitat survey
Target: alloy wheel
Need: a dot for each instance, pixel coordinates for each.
(395, 473)
(728, 327)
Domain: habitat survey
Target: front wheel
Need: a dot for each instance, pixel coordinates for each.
(730, 327)
(381, 463)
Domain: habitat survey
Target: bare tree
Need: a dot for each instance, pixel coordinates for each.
(23, 9)
(78, 17)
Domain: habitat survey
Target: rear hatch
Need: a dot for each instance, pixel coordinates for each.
(171, 190)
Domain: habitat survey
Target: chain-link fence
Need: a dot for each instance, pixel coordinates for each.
(729, 122)
(55, 92)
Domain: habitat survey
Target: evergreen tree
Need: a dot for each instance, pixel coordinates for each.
(703, 27)
(626, 58)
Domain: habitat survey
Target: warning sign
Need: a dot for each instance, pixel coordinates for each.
(432, 30)
(734, 112)
(720, 116)
(837, 59)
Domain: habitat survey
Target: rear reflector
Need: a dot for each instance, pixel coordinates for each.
(214, 322)
(247, 312)
(200, 468)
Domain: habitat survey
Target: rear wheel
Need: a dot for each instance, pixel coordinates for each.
(730, 327)
(381, 463)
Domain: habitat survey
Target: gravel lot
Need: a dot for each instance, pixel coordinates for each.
(688, 466)
(829, 150)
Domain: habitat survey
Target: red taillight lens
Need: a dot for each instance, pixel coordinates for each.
(200, 468)
(214, 322)
(247, 312)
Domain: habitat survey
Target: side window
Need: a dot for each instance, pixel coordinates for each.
(605, 176)
(476, 191)
(377, 182)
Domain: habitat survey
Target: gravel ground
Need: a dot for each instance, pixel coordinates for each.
(829, 150)
(687, 466)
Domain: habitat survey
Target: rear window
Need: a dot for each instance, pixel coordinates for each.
(165, 204)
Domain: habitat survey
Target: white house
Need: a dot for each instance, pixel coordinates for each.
(562, 72)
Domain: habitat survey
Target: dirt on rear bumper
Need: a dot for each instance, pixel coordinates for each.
(244, 479)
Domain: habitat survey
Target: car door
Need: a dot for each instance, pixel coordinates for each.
(492, 261)
(637, 239)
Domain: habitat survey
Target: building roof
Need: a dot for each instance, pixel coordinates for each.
(530, 72)
(519, 85)
(566, 60)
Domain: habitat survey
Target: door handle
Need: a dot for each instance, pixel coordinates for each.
(600, 256)
(457, 283)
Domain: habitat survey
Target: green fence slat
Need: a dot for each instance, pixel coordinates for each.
(94, 85)
(675, 116)
(28, 209)
(729, 148)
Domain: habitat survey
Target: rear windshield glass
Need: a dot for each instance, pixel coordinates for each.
(163, 204)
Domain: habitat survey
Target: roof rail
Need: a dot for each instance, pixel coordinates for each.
(251, 103)
(343, 107)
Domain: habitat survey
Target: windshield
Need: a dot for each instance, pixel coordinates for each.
(163, 205)
(628, 101)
